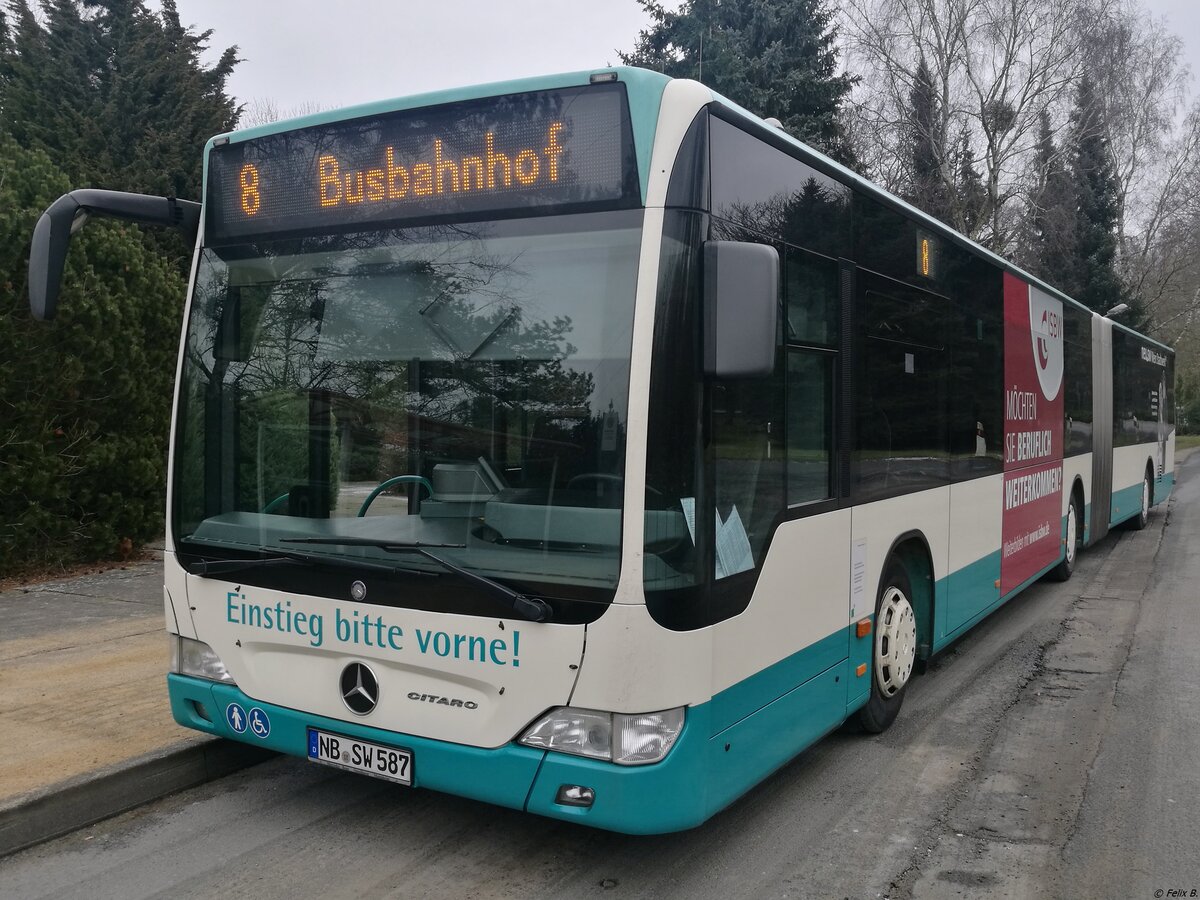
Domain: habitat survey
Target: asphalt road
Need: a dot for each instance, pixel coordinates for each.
(1054, 752)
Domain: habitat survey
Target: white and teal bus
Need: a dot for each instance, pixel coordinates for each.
(588, 446)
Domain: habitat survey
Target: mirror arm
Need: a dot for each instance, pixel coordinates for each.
(52, 236)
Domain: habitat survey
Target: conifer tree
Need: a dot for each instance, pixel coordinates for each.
(155, 66)
(1095, 193)
(52, 75)
(94, 93)
(774, 57)
(5, 55)
(971, 195)
(929, 190)
(84, 404)
(1052, 215)
(119, 97)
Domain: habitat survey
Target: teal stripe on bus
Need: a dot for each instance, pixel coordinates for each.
(1164, 487)
(1126, 503)
(762, 688)
(501, 776)
(965, 594)
(701, 775)
(962, 581)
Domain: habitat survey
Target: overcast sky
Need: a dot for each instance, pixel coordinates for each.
(303, 52)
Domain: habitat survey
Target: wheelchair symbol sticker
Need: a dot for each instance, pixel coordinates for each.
(236, 717)
(259, 723)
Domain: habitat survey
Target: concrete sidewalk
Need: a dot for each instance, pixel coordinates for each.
(87, 727)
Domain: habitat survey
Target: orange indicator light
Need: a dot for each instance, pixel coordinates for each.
(863, 628)
(861, 670)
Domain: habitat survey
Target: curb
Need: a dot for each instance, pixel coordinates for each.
(69, 805)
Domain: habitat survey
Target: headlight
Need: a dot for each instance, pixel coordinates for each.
(626, 739)
(646, 737)
(197, 659)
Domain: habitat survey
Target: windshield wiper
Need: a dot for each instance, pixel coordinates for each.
(207, 568)
(530, 608)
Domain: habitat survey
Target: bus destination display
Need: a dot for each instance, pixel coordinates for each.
(565, 147)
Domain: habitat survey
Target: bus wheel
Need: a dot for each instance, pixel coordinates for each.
(1138, 522)
(895, 650)
(1063, 570)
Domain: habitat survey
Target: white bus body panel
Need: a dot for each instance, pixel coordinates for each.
(802, 596)
(976, 520)
(629, 585)
(881, 522)
(681, 100)
(1128, 471)
(680, 103)
(632, 664)
(976, 532)
(179, 618)
(284, 668)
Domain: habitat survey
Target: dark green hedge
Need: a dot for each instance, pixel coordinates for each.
(84, 400)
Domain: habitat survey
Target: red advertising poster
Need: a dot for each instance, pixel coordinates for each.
(1033, 432)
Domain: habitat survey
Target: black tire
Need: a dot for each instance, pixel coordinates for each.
(1138, 522)
(1062, 572)
(887, 692)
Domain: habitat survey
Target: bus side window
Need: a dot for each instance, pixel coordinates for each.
(902, 434)
(811, 303)
(748, 483)
(1077, 381)
(809, 425)
(975, 343)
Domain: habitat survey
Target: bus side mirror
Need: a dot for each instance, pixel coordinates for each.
(66, 215)
(741, 309)
(48, 254)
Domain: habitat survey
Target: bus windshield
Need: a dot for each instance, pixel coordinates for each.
(458, 385)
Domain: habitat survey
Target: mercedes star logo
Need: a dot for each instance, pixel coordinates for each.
(360, 688)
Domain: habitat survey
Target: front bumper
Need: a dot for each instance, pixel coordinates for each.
(667, 796)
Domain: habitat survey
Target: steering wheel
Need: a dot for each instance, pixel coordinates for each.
(391, 482)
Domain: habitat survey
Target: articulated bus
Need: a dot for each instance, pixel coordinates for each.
(589, 446)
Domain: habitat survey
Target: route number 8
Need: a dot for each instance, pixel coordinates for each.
(251, 200)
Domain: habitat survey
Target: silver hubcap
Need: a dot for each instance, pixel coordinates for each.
(1145, 498)
(895, 642)
(1072, 533)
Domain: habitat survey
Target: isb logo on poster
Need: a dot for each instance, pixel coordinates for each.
(1046, 331)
